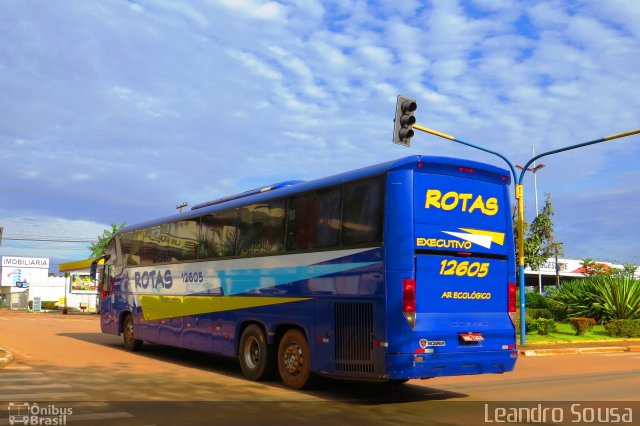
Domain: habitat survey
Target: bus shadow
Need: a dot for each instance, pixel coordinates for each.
(331, 389)
(183, 357)
(375, 393)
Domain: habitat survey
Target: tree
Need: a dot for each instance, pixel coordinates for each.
(540, 243)
(629, 269)
(591, 267)
(97, 249)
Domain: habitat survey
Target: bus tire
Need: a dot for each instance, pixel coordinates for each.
(256, 355)
(294, 361)
(130, 341)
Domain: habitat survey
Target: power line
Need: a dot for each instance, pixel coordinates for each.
(41, 248)
(24, 235)
(51, 240)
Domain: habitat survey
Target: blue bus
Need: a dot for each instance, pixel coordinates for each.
(397, 271)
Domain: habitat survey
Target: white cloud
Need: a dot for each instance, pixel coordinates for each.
(31, 226)
(255, 65)
(163, 102)
(269, 10)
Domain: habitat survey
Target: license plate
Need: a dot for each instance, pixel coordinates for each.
(471, 337)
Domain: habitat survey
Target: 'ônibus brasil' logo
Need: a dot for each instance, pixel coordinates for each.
(463, 201)
(468, 236)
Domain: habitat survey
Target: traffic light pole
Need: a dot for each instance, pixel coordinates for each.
(523, 338)
(519, 194)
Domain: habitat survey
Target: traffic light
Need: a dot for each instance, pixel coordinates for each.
(404, 121)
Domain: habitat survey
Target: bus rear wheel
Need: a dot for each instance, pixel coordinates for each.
(294, 362)
(130, 341)
(256, 355)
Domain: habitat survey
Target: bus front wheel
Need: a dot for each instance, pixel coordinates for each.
(256, 355)
(294, 362)
(130, 342)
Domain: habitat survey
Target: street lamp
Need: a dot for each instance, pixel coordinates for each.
(535, 169)
(519, 197)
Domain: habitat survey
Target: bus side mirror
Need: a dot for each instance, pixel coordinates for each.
(93, 272)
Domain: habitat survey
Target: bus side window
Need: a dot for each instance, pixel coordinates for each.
(362, 212)
(314, 220)
(262, 228)
(183, 240)
(218, 232)
(154, 249)
(130, 249)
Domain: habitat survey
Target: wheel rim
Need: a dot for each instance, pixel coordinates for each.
(252, 352)
(128, 332)
(293, 359)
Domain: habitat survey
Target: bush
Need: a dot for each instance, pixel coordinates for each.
(603, 297)
(533, 300)
(558, 310)
(621, 297)
(580, 297)
(49, 305)
(544, 326)
(540, 313)
(623, 328)
(516, 321)
(582, 325)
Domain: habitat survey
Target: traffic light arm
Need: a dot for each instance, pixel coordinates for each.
(433, 132)
(580, 145)
(446, 136)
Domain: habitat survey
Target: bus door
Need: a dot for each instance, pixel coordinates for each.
(463, 266)
(105, 290)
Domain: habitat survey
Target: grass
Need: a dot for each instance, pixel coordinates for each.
(566, 334)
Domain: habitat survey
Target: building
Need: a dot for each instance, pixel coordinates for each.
(19, 274)
(556, 271)
(25, 279)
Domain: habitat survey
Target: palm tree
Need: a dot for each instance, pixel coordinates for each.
(97, 249)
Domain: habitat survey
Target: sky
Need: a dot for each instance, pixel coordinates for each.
(116, 111)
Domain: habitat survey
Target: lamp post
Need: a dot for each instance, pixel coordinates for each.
(523, 336)
(535, 169)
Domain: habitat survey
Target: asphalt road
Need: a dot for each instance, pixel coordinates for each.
(64, 362)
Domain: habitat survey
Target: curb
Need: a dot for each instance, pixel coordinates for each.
(6, 358)
(573, 351)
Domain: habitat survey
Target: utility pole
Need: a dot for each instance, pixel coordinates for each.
(181, 206)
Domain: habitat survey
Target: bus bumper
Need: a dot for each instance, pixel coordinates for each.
(427, 365)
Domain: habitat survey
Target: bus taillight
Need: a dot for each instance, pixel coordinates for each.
(409, 300)
(408, 295)
(513, 303)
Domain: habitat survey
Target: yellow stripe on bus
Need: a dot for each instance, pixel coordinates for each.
(156, 307)
(496, 237)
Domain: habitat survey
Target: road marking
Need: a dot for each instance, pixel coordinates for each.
(87, 417)
(24, 379)
(25, 385)
(82, 411)
(40, 386)
(19, 374)
(43, 396)
(101, 416)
